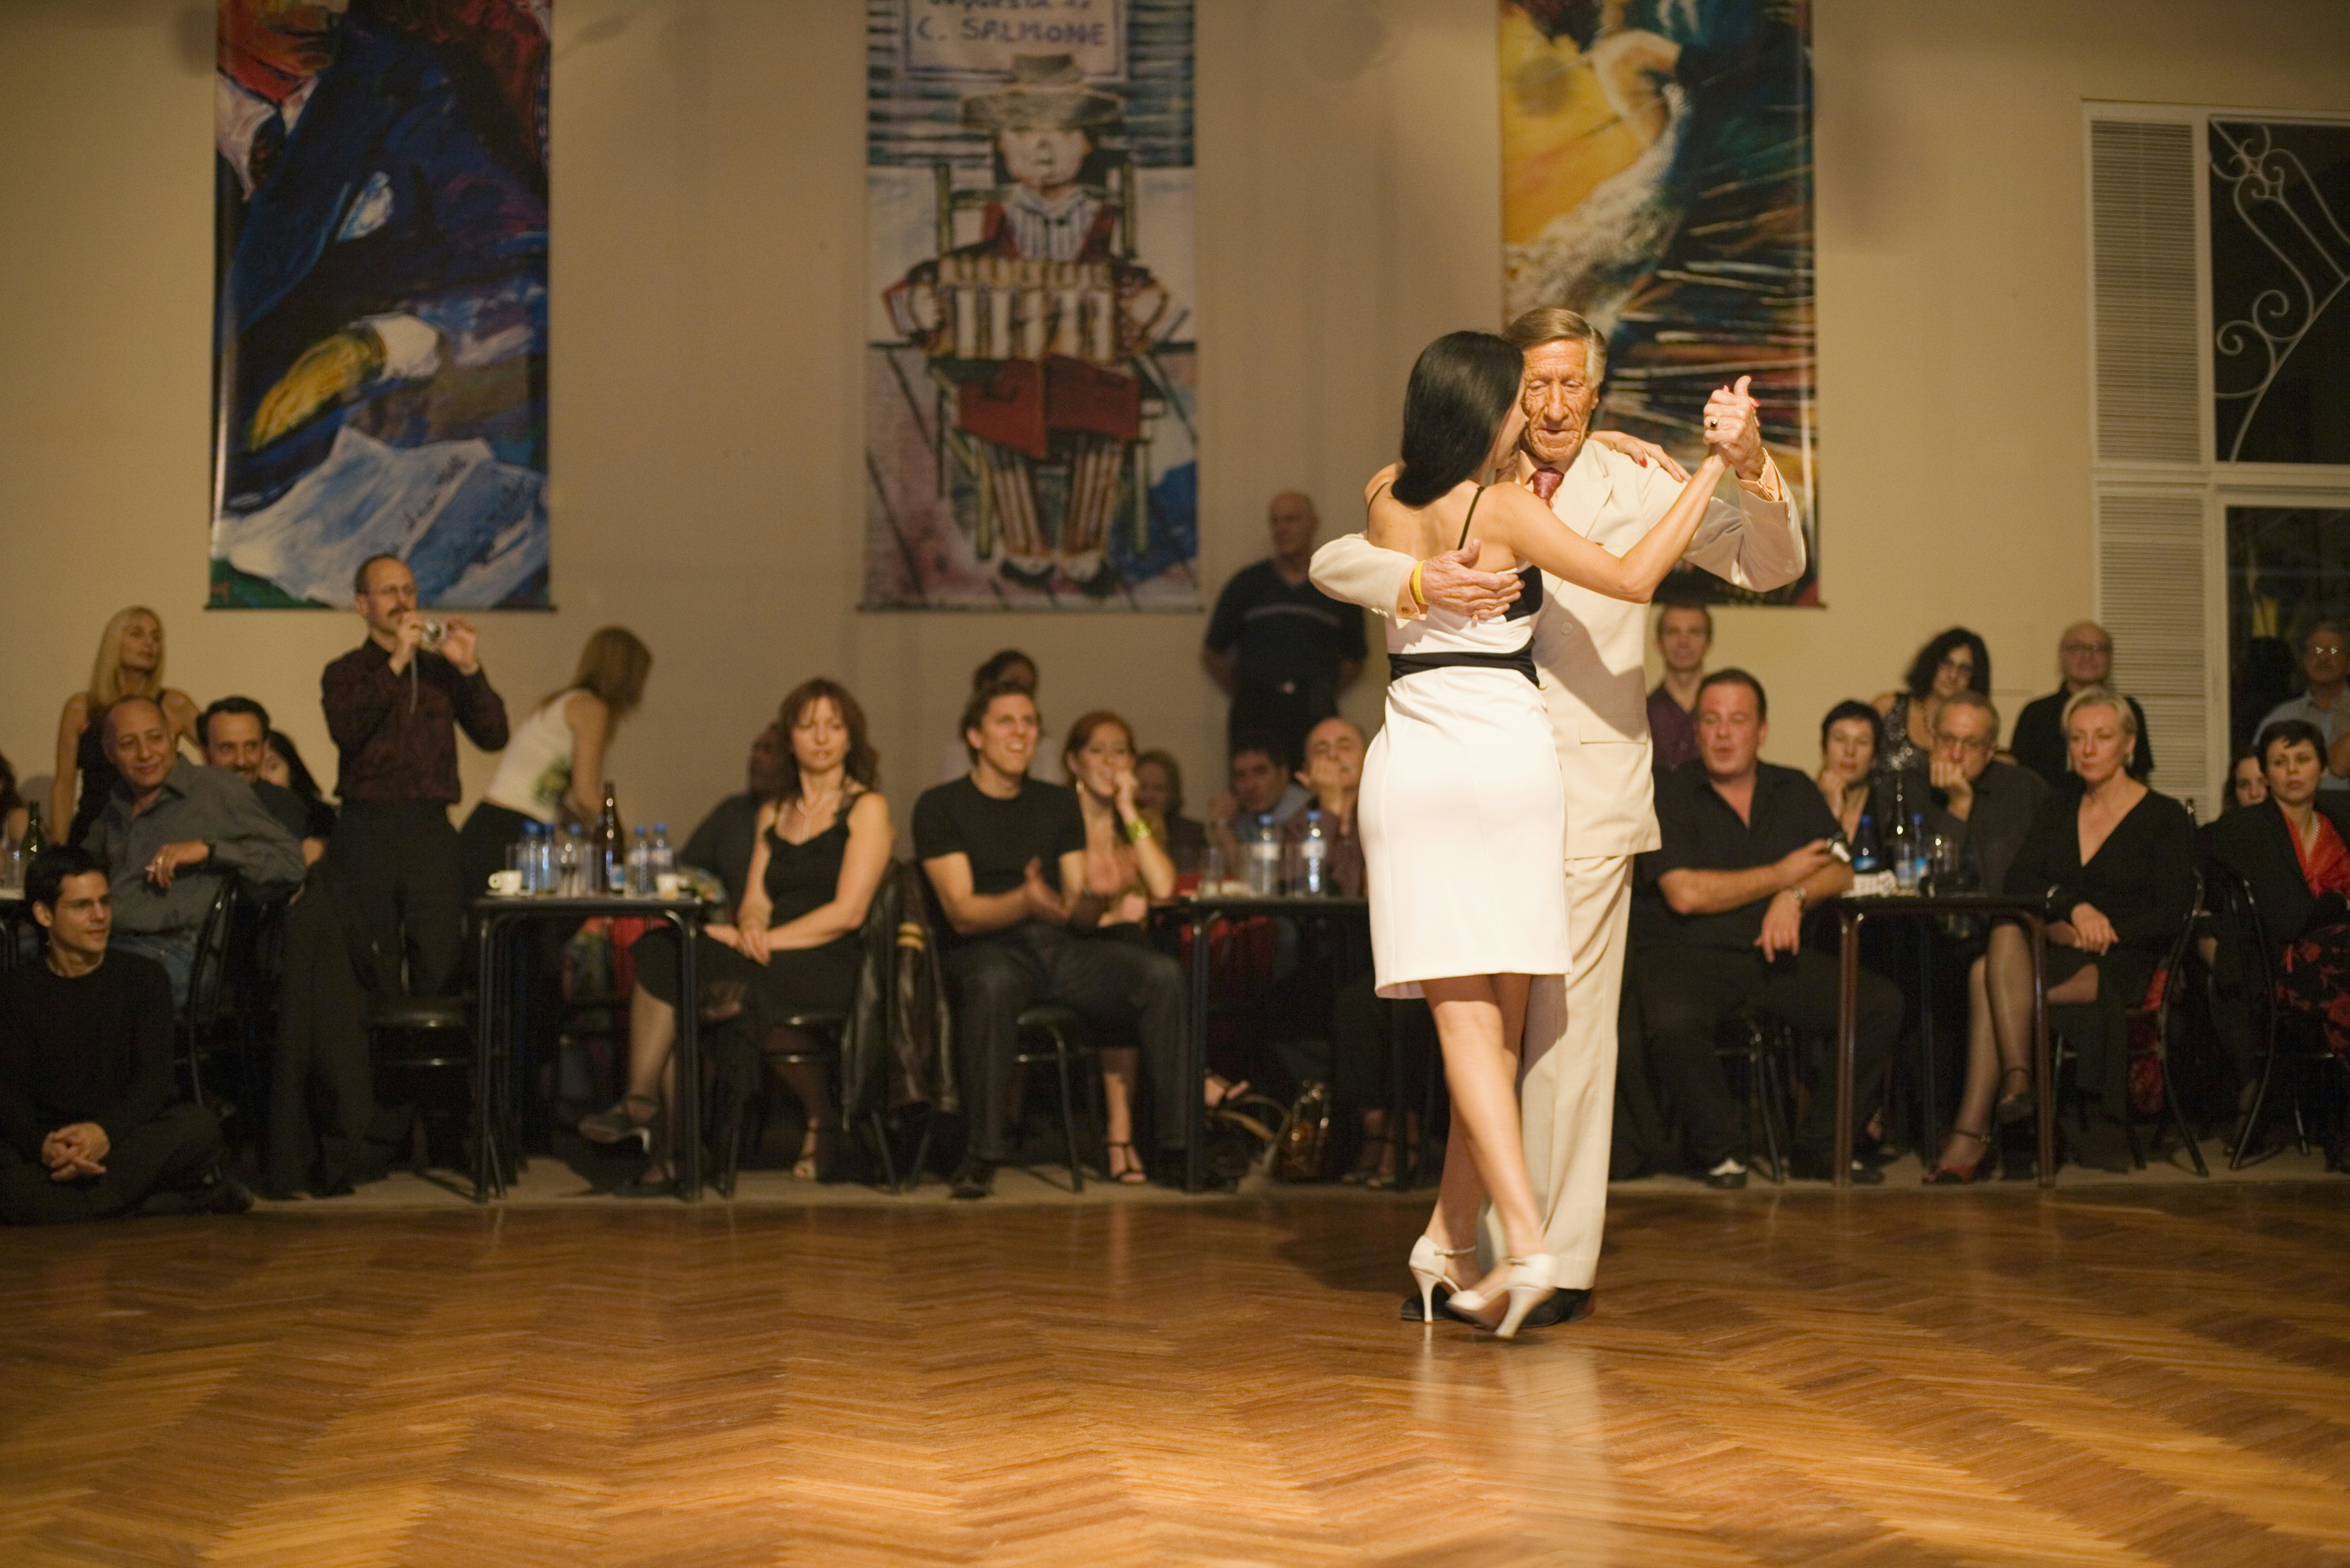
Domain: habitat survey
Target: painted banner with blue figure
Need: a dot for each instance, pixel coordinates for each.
(1656, 177)
(379, 335)
(1031, 391)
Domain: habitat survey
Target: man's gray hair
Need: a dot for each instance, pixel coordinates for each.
(1555, 324)
(1970, 698)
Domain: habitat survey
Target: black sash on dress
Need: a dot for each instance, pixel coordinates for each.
(1522, 661)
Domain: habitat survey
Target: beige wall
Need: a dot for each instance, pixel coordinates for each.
(709, 287)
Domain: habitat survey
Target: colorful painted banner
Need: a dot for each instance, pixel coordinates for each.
(380, 339)
(1656, 177)
(1031, 375)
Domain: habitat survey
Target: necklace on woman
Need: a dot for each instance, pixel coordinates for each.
(807, 814)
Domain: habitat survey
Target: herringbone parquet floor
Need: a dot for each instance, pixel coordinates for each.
(2140, 1376)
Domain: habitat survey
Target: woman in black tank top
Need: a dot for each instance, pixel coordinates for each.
(793, 946)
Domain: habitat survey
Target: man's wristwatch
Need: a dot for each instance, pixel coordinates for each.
(1798, 891)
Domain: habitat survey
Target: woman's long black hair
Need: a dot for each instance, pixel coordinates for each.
(1461, 389)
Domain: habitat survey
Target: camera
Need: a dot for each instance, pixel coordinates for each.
(436, 632)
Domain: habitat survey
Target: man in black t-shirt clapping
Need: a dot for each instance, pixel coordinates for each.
(1280, 648)
(1005, 857)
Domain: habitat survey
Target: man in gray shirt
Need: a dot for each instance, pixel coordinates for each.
(2326, 660)
(169, 826)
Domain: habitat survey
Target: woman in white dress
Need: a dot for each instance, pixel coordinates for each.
(1463, 815)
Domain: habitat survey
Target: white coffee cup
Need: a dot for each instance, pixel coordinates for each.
(505, 884)
(665, 886)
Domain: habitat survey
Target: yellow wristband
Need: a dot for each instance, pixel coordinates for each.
(1419, 595)
(1136, 831)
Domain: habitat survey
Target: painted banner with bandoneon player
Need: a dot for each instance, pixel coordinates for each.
(1031, 363)
(1656, 177)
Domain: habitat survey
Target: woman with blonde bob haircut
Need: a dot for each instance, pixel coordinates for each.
(822, 847)
(552, 770)
(130, 663)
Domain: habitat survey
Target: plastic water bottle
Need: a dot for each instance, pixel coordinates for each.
(533, 858)
(640, 880)
(1865, 856)
(1905, 856)
(1314, 858)
(1264, 858)
(664, 861)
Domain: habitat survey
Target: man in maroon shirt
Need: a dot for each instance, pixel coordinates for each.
(393, 706)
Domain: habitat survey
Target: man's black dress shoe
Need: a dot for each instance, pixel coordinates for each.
(972, 1179)
(1821, 1168)
(1444, 1313)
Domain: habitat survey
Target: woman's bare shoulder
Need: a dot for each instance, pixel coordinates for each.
(870, 808)
(1883, 701)
(1380, 480)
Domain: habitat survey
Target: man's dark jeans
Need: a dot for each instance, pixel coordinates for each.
(1686, 994)
(1113, 984)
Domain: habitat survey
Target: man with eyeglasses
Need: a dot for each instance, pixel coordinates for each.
(2326, 662)
(2086, 655)
(1981, 804)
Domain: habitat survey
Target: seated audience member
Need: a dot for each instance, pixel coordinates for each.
(129, 664)
(1333, 780)
(722, 845)
(2085, 657)
(1158, 791)
(1259, 786)
(1954, 661)
(1007, 667)
(1684, 637)
(1004, 855)
(2248, 784)
(1719, 914)
(2293, 849)
(2325, 664)
(1126, 866)
(234, 735)
(2114, 864)
(552, 770)
(15, 815)
(171, 824)
(87, 1124)
(1982, 805)
(1848, 761)
(282, 765)
(822, 845)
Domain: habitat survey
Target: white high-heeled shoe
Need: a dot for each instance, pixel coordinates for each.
(1531, 1280)
(1429, 1270)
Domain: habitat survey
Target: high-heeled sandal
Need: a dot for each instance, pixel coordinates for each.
(1945, 1174)
(1429, 1270)
(1531, 1281)
(818, 1156)
(1133, 1175)
(1366, 1170)
(619, 1125)
(2016, 1108)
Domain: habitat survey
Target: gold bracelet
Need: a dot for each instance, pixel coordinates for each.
(1136, 831)
(1419, 594)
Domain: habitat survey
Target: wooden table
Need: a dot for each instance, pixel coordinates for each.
(1851, 912)
(1200, 911)
(498, 1009)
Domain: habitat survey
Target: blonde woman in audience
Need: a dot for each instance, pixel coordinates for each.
(130, 663)
(552, 770)
(1848, 760)
(1127, 866)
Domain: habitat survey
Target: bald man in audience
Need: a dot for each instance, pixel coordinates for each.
(168, 831)
(1280, 648)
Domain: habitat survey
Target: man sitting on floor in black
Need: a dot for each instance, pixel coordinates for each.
(1718, 926)
(1005, 857)
(88, 1126)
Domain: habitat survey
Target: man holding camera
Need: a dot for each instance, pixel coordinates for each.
(393, 705)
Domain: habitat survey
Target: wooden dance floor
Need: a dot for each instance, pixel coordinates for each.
(2138, 1376)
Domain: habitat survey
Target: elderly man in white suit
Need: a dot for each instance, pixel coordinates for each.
(1611, 489)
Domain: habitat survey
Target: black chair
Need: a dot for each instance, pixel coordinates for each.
(1056, 1037)
(433, 1036)
(2294, 1038)
(2169, 992)
(199, 1017)
(1765, 1046)
(824, 1033)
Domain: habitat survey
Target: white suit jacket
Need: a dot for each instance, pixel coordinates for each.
(1589, 647)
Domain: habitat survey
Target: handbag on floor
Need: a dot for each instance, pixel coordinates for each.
(1303, 1145)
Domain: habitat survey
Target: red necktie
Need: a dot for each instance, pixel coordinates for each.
(1546, 483)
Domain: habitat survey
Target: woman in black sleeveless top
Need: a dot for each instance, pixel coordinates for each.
(823, 845)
